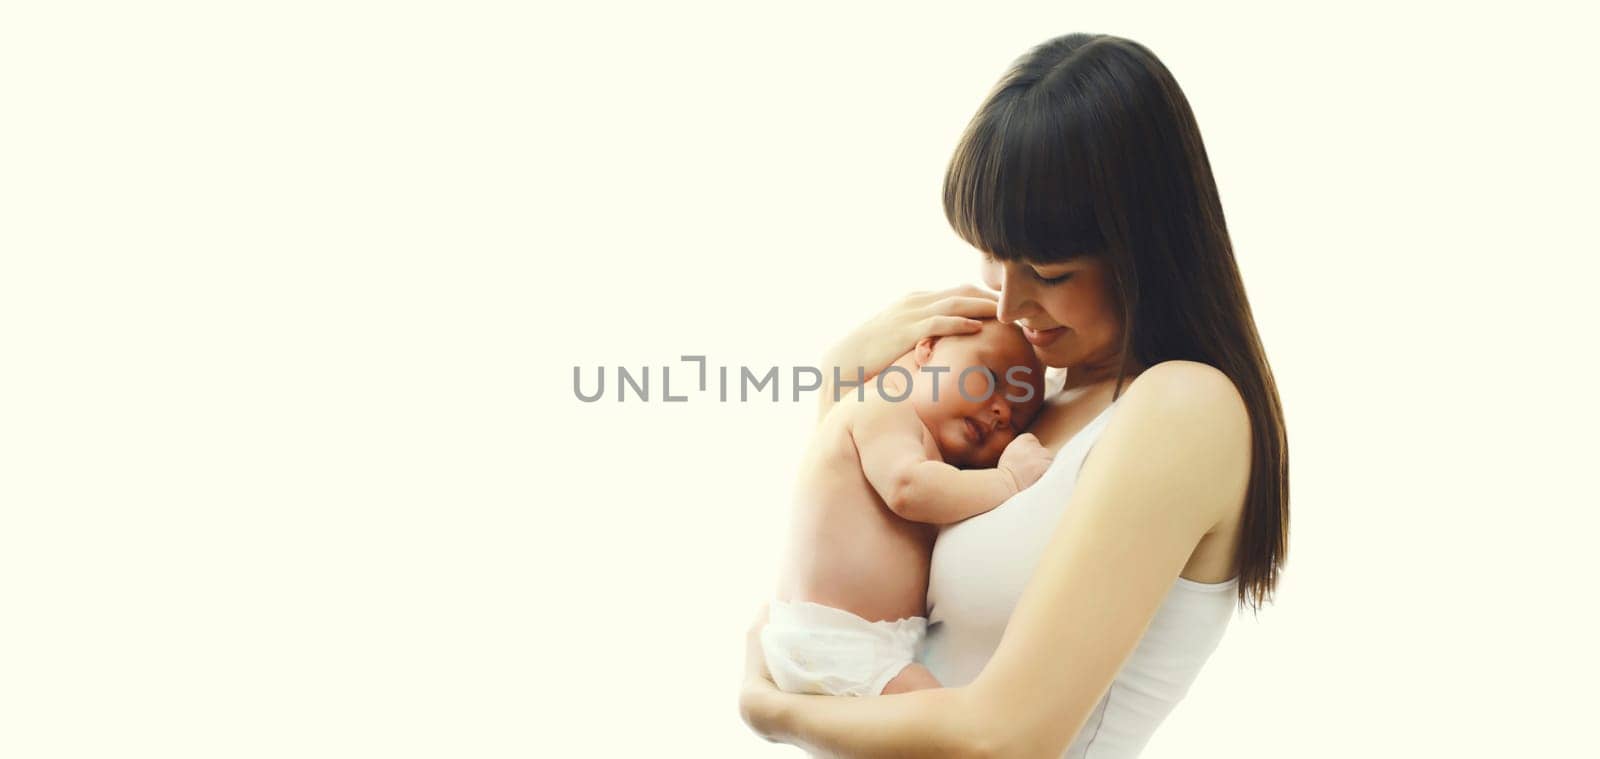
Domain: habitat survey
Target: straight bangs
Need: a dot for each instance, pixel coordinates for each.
(1018, 187)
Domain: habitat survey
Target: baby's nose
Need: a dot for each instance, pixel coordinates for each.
(1002, 412)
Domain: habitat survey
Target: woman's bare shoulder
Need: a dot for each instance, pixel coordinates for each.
(1186, 421)
(1188, 390)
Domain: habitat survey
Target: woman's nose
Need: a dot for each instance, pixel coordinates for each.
(1014, 294)
(1012, 303)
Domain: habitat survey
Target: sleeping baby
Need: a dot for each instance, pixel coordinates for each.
(878, 477)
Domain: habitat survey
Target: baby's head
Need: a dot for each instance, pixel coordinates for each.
(977, 413)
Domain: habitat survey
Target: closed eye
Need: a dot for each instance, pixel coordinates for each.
(1051, 280)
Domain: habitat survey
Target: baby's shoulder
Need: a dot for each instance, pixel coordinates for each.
(872, 422)
(878, 415)
(833, 443)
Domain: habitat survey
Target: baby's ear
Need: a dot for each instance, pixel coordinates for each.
(923, 351)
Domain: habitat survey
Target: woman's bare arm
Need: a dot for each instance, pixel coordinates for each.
(1173, 463)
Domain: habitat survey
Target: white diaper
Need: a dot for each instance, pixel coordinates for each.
(811, 648)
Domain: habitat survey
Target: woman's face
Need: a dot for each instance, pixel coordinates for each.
(1066, 310)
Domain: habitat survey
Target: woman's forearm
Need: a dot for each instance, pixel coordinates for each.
(943, 722)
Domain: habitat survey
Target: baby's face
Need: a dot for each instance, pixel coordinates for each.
(974, 421)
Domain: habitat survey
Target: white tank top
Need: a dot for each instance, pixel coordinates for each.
(980, 567)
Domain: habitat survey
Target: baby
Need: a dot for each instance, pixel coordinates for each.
(877, 478)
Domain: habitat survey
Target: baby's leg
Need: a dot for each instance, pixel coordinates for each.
(913, 677)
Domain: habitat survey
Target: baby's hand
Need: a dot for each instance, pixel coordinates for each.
(1025, 460)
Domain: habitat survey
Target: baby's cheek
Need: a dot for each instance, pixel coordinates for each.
(997, 445)
(954, 440)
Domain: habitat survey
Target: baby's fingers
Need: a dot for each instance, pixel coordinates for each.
(1027, 441)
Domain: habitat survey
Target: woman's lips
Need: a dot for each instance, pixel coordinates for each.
(1041, 338)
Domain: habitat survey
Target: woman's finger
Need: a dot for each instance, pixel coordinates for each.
(973, 291)
(940, 326)
(755, 662)
(968, 306)
(922, 298)
(968, 290)
(758, 685)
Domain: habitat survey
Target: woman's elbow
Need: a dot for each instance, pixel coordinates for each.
(993, 731)
(982, 747)
(974, 740)
(984, 733)
(992, 745)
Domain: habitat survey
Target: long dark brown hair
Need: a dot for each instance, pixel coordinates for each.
(1087, 147)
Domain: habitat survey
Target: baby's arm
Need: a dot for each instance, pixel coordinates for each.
(900, 460)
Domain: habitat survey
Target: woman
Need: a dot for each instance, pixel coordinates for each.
(1073, 617)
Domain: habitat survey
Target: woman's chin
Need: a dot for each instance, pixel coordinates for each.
(1053, 357)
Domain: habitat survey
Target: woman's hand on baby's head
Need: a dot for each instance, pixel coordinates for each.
(1025, 460)
(885, 337)
(949, 312)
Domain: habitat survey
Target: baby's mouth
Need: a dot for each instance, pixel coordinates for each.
(975, 431)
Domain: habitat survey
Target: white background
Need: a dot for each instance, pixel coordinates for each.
(291, 464)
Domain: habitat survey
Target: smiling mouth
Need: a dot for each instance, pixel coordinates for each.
(1042, 337)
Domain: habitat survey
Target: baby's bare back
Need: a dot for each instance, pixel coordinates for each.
(846, 549)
